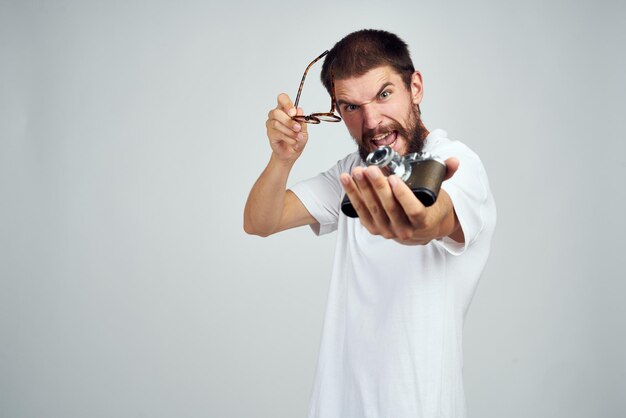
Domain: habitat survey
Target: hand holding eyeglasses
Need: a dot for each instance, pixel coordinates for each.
(287, 136)
(287, 124)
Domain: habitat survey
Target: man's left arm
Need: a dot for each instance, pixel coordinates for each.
(386, 206)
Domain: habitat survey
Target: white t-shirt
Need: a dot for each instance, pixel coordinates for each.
(392, 339)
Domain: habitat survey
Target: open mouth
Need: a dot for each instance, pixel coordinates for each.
(388, 138)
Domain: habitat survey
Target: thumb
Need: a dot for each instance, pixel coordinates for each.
(452, 165)
(286, 105)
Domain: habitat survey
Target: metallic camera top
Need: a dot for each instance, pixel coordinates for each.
(390, 162)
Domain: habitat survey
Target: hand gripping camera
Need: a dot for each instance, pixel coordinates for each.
(422, 172)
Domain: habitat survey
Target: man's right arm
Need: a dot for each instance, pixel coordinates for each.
(271, 207)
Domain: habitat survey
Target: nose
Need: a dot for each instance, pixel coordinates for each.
(371, 116)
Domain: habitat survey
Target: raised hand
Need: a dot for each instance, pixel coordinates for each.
(287, 137)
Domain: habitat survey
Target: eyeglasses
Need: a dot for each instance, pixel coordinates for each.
(316, 118)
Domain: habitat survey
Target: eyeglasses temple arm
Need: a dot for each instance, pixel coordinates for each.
(332, 90)
(304, 77)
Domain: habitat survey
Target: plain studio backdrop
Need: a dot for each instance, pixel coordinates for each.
(132, 131)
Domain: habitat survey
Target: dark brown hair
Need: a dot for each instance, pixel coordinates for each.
(364, 50)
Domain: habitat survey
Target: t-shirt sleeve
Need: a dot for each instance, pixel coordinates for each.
(322, 195)
(469, 191)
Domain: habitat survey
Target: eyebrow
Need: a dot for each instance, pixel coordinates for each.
(382, 88)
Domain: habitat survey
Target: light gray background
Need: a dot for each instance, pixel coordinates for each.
(132, 131)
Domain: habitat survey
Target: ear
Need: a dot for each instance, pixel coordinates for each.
(417, 88)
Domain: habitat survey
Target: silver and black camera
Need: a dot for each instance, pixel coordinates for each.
(422, 172)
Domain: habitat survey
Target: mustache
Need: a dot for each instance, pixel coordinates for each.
(368, 134)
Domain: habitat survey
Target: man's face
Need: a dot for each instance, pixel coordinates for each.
(378, 109)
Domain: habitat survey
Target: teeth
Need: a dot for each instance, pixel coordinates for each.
(381, 136)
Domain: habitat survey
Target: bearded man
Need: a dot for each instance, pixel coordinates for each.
(404, 274)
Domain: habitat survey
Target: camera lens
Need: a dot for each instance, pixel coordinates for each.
(378, 156)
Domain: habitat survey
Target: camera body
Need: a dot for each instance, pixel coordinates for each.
(422, 172)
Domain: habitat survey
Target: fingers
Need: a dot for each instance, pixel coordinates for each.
(372, 197)
(388, 207)
(283, 132)
(352, 190)
(279, 120)
(374, 190)
(278, 129)
(393, 221)
(413, 209)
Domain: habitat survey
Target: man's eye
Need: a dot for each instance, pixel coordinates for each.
(351, 107)
(385, 94)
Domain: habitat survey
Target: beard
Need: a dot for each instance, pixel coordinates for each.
(414, 134)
